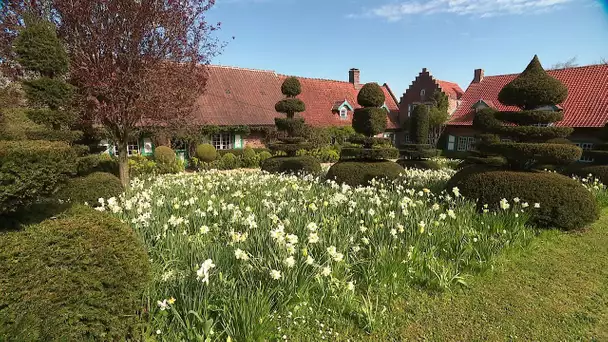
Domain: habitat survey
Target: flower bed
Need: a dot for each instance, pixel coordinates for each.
(250, 256)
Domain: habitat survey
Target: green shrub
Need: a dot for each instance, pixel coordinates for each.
(369, 121)
(369, 153)
(249, 158)
(371, 95)
(419, 125)
(598, 171)
(141, 166)
(290, 106)
(564, 203)
(264, 155)
(164, 154)
(229, 161)
(300, 164)
(419, 164)
(291, 87)
(76, 278)
(107, 163)
(206, 153)
(360, 173)
(31, 170)
(239, 151)
(39, 49)
(89, 189)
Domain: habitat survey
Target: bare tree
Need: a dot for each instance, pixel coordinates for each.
(566, 64)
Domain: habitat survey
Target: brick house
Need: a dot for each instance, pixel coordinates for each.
(585, 109)
(237, 97)
(419, 92)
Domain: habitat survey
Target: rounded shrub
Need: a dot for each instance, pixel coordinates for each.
(249, 158)
(371, 95)
(229, 161)
(90, 188)
(164, 154)
(299, 164)
(290, 106)
(76, 278)
(369, 153)
(369, 121)
(564, 203)
(206, 153)
(419, 164)
(291, 87)
(264, 155)
(597, 171)
(360, 173)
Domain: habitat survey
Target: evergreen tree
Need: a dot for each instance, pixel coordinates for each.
(533, 140)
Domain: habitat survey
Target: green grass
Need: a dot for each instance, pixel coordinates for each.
(556, 289)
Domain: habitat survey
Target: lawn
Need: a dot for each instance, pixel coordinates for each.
(555, 289)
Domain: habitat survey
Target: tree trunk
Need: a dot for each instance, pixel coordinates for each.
(123, 163)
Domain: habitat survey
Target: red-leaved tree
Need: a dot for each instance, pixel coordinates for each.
(135, 62)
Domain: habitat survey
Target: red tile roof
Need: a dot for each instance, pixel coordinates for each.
(586, 105)
(237, 96)
(451, 89)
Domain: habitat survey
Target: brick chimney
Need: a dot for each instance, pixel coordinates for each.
(353, 76)
(478, 76)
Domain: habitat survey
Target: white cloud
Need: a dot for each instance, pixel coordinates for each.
(480, 8)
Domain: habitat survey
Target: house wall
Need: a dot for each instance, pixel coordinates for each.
(255, 140)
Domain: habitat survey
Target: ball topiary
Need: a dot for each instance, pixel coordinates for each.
(371, 95)
(291, 87)
(249, 158)
(76, 278)
(564, 203)
(206, 153)
(90, 188)
(360, 173)
(164, 154)
(229, 161)
(299, 164)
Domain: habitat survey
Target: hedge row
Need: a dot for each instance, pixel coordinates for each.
(305, 164)
(361, 172)
(369, 153)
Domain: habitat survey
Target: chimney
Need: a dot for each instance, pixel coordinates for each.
(353, 76)
(478, 76)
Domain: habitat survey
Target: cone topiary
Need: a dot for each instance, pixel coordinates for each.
(419, 150)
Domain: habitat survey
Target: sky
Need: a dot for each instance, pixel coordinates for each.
(390, 41)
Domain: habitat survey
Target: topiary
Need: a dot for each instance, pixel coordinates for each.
(419, 164)
(371, 95)
(299, 164)
(369, 121)
(564, 203)
(360, 173)
(581, 170)
(164, 154)
(206, 153)
(369, 153)
(76, 278)
(291, 87)
(89, 189)
(229, 161)
(249, 158)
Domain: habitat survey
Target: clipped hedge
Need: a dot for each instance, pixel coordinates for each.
(206, 153)
(419, 125)
(290, 106)
(76, 278)
(31, 170)
(293, 126)
(299, 164)
(419, 164)
(90, 188)
(264, 155)
(598, 171)
(416, 151)
(371, 141)
(532, 153)
(564, 203)
(249, 158)
(164, 154)
(291, 87)
(369, 153)
(360, 173)
(229, 161)
(530, 117)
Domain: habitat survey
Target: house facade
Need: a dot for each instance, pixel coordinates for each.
(585, 109)
(237, 98)
(420, 91)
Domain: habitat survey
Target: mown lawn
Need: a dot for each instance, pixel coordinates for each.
(556, 289)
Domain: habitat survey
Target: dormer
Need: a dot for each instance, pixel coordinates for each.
(342, 108)
(482, 104)
(551, 108)
(385, 107)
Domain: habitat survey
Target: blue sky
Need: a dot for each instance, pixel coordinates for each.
(392, 40)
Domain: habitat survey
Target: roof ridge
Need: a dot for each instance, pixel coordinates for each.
(549, 70)
(239, 68)
(315, 78)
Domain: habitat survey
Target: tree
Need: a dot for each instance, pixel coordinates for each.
(534, 141)
(571, 63)
(438, 116)
(135, 63)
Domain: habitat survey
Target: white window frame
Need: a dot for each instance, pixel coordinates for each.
(222, 141)
(586, 146)
(423, 92)
(465, 144)
(343, 113)
(451, 142)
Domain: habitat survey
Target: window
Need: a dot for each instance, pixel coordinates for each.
(133, 148)
(222, 141)
(343, 113)
(422, 95)
(391, 137)
(466, 143)
(586, 147)
(410, 108)
(406, 138)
